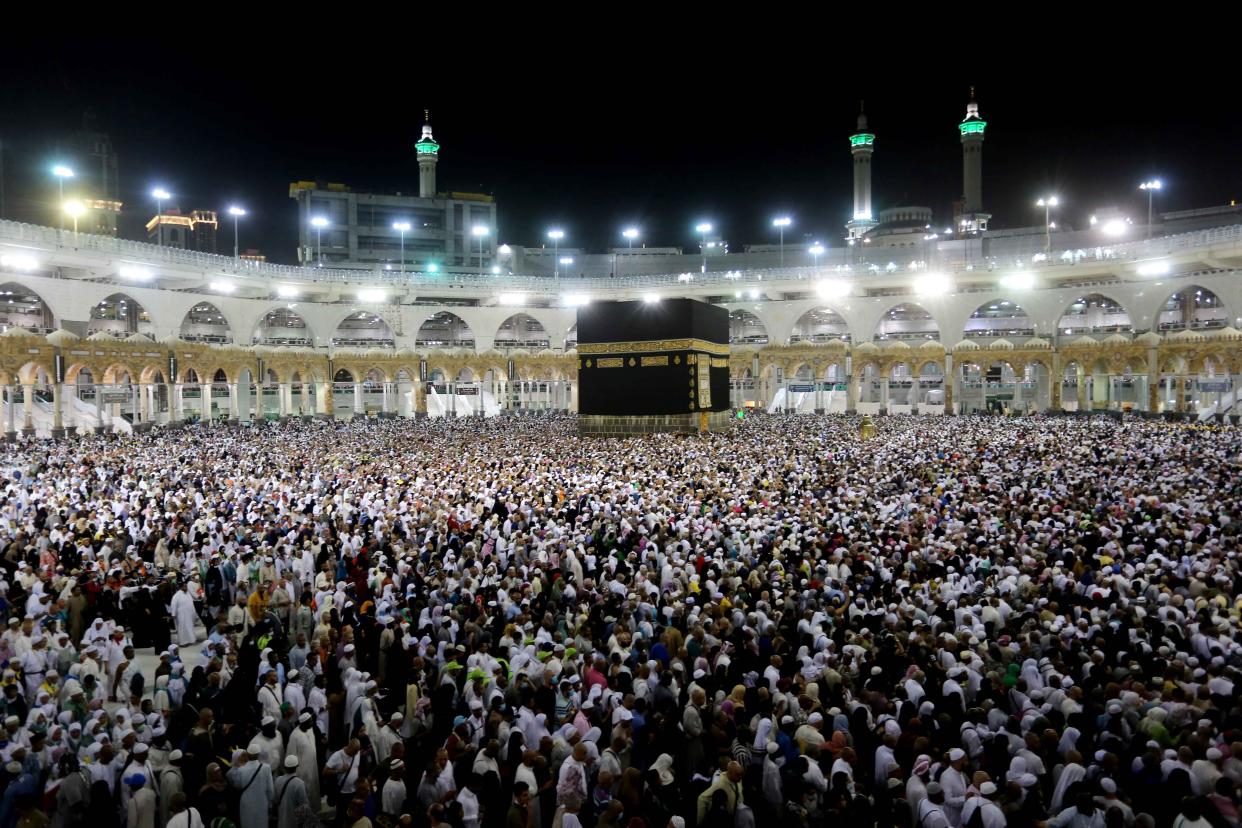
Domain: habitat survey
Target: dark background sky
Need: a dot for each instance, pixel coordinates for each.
(591, 142)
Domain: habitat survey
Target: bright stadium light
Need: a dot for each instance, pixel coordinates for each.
(832, 288)
(1021, 280)
(286, 291)
(136, 272)
(1158, 268)
(222, 287)
(577, 300)
(933, 284)
(371, 295)
(511, 299)
(651, 298)
(19, 261)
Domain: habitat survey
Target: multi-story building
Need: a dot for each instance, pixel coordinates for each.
(100, 216)
(197, 231)
(363, 229)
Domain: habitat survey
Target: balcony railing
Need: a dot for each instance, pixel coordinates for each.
(721, 271)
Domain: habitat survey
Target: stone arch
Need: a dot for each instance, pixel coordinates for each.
(120, 315)
(204, 322)
(834, 370)
(466, 374)
(151, 373)
(444, 329)
(493, 372)
(118, 373)
(35, 372)
(1191, 307)
(281, 325)
(821, 324)
(907, 321)
(363, 329)
(74, 372)
(999, 318)
(1094, 313)
(521, 330)
(21, 307)
(343, 375)
(899, 370)
(746, 328)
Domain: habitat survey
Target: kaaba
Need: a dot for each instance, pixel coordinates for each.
(652, 366)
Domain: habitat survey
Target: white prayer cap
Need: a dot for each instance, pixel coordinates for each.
(291, 761)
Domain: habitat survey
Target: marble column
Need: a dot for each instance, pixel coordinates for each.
(58, 422)
(10, 411)
(948, 384)
(28, 410)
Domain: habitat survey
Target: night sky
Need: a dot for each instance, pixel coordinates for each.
(593, 149)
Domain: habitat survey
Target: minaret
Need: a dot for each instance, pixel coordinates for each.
(862, 144)
(973, 218)
(428, 156)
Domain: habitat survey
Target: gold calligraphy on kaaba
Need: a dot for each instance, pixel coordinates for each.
(654, 361)
(610, 362)
(705, 384)
(648, 346)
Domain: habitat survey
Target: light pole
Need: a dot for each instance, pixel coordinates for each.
(817, 250)
(480, 231)
(1151, 187)
(1048, 202)
(319, 222)
(780, 224)
(62, 172)
(401, 227)
(630, 234)
(160, 195)
(704, 228)
(74, 209)
(556, 236)
(236, 212)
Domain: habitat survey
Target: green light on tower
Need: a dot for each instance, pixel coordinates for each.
(971, 127)
(427, 146)
(862, 139)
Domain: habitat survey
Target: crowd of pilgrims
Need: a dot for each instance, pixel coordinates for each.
(967, 622)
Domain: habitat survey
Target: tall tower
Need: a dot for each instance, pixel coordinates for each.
(862, 145)
(973, 219)
(428, 157)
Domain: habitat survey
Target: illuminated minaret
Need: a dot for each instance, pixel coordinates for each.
(862, 145)
(428, 157)
(973, 219)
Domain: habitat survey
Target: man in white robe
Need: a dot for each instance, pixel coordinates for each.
(253, 779)
(182, 609)
(290, 794)
(302, 745)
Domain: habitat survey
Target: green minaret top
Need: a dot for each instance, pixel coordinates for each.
(427, 144)
(972, 124)
(862, 138)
